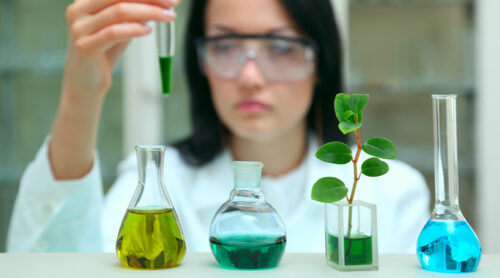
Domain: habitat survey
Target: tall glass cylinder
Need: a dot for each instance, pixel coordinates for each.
(447, 243)
(445, 158)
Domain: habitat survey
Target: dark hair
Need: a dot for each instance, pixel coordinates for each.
(316, 19)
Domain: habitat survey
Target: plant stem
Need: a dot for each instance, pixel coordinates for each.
(355, 165)
(356, 179)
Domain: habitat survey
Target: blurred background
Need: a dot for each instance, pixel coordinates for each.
(398, 51)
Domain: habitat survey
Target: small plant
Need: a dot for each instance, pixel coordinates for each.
(357, 248)
(348, 110)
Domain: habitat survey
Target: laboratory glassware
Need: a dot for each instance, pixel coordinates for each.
(150, 235)
(447, 243)
(165, 33)
(351, 236)
(247, 232)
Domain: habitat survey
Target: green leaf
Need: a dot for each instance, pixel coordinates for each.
(335, 152)
(360, 117)
(348, 127)
(341, 106)
(380, 147)
(345, 110)
(328, 190)
(374, 167)
(357, 102)
(348, 114)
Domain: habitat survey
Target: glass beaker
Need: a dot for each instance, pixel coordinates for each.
(247, 232)
(351, 236)
(447, 243)
(150, 236)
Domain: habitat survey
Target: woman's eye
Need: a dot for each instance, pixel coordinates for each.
(281, 47)
(222, 47)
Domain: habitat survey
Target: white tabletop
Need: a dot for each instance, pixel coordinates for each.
(86, 265)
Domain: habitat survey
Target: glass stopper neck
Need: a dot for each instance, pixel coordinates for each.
(247, 175)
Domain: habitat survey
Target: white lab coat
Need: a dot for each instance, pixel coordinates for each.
(73, 215)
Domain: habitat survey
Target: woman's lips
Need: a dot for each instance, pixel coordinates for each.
(252, 106)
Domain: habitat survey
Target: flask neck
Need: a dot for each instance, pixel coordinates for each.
(149, 163)
(445, 154)
(150, 189)
(247, 176)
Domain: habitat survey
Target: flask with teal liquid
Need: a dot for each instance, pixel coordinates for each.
(247, 232)
(447, 243)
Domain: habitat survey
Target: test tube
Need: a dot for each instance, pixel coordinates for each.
(166, 42)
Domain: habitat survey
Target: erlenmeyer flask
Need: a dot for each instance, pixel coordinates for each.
(246, 232)
(150, 236)
(447, 243)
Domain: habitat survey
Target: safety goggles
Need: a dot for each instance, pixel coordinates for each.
(279, 58)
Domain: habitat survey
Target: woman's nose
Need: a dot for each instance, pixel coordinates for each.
(251, 76)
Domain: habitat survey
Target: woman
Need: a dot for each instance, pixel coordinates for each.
(262, 78)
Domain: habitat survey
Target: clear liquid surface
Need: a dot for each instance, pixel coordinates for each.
(448, 246)
(248, 251)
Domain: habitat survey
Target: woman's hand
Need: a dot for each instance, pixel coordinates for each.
(99, 32)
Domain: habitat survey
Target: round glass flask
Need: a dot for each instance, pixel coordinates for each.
(247, 232)
(447, 243)
(150, 236)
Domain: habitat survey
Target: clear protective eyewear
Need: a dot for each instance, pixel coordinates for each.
(279, 58)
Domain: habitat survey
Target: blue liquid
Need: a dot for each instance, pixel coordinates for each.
(448, 246)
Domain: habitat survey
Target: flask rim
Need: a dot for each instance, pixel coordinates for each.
(150, 148)
(443, 96)
(248, 164)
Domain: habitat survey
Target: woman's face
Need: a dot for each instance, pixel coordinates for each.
(250, 105)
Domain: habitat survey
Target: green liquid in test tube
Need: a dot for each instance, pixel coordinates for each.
(166, 74)
(166, 43)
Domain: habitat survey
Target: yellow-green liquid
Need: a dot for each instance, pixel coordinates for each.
(150, 238)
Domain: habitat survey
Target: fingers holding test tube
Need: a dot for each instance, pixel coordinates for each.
(109, 36)
(119, 13)
(99, 31)
(95, 6)
(95, 21)
(98, 34)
